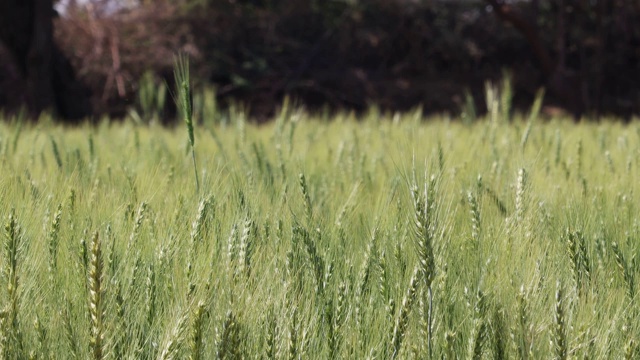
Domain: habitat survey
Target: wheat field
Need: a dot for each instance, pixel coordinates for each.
(377, 236)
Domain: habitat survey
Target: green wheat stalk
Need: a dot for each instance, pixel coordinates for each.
(630, 350)
(12, 248)
(184, 103)
(196, 336)
(521, 184)
(246, 246)
(271, 325)
(364, 276)
(174, 339)
(198, 227)
(624, 267)
(229, 343)
(304, 189)
(475, 216)
(53, 238)
(42, 338)
(537, 105)
(69, 330)
(150, 294)
(292, 341)
(424, 236)
(499, 333)
(559, 335)
(56, 152)
(402, 321)
(140, 215)
(96, 289)
(478, 335)
(521, 327)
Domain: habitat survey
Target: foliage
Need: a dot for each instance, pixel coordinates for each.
(348, 54)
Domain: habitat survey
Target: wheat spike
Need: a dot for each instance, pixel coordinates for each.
(12, 248)
(185, 104)
(560, 327)
(479, 334)
(96, 311)
(195, 341)
(521, 184)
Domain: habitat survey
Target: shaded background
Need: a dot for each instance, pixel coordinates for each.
(327, 54)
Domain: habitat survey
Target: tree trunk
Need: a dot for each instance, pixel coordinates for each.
(26, 29)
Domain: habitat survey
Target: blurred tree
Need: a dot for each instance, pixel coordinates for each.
(26, 30)
(561, 81)
(581, 47)
(353, 53)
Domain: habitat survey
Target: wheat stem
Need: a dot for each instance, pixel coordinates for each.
(403, 317)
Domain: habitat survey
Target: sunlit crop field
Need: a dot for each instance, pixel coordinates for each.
(380, 237)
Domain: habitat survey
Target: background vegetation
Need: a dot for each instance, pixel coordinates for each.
(397, 54)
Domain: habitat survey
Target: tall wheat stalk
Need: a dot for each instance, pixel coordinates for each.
(96, 311)
(625, 269)
(402, 321)
(580, 264)
(69, 330)
(53, 238)
(304, 189)
(196, 336)
(499, 333)
(185, 105)
(292, 341)
(475, 217)
(559, 334)
(520, 331)
(229, 342)
(521, 184)
(246, 246)
(42, 338)
(12, 246)
(479, 332)
(270, 343)
(174, 339)
(424, 235)
(362, 286)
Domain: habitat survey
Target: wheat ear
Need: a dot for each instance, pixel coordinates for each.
(559, 328)
(185, 104)
(96, 311)
(12, 246)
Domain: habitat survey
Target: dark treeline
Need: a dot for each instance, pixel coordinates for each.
(396, 54)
